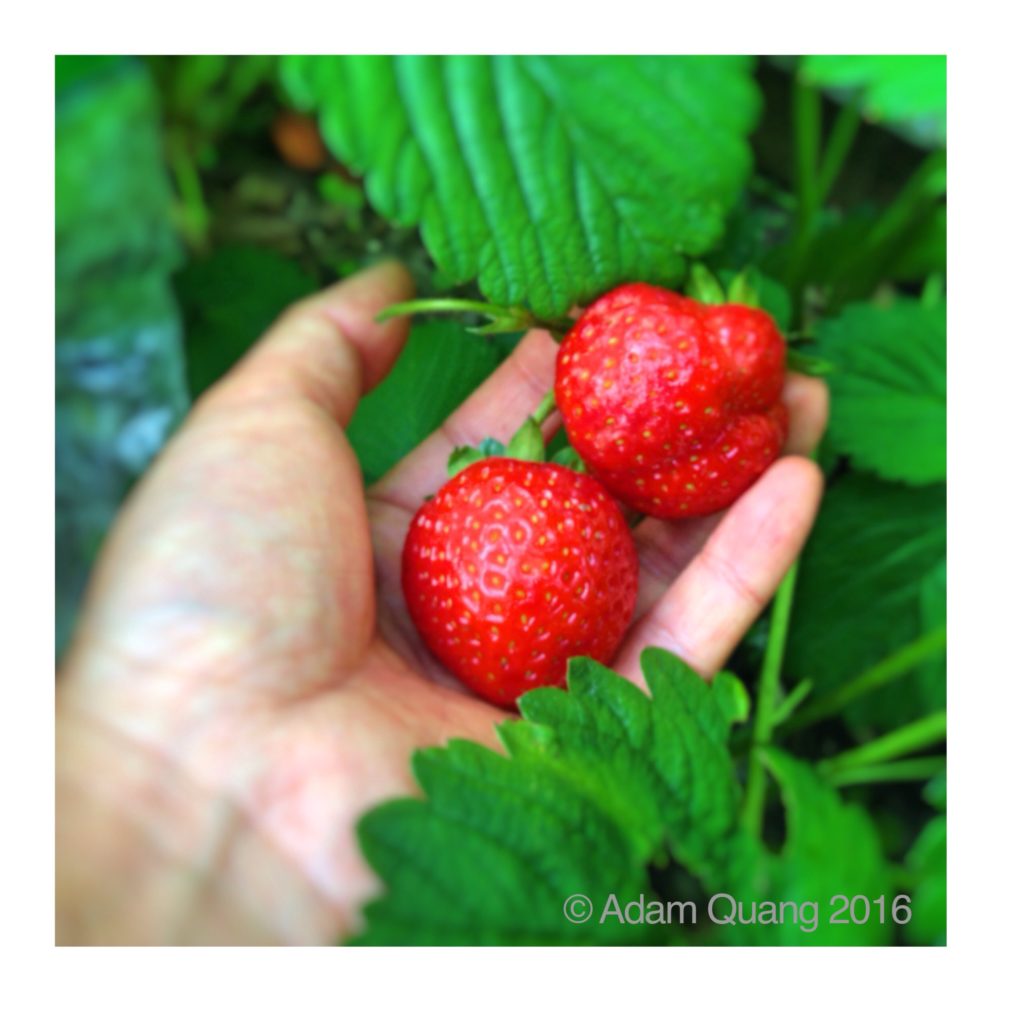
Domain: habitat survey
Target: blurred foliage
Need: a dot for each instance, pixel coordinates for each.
(229, 299)
(907, 93)
(927, 864)
(203, 96)
(822, 176)
(119, 367)
(862, 592)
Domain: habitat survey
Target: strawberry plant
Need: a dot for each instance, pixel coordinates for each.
(697, 234)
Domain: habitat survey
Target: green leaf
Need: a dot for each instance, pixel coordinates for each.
(441, 364)
(906, 92)
(859, 594)
(831, 851)
(888, 388)
(548, 179)
(598, 783)
(926, 862)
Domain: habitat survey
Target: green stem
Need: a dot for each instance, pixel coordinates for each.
(806, 148)
(190, 189)
(503, 318)
(767, 701)
(792, 701)
(837, 148)
(892, 667)
(445, 305)
(925, 732)
(889, 771)
(545, 409)
(807, 125)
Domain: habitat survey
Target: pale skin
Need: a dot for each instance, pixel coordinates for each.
(245, 682)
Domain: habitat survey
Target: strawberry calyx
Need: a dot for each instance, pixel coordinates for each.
(743, 289)
(526, 444)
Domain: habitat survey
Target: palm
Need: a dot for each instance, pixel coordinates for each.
(256, 589)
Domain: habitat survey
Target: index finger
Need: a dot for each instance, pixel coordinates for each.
(327, 349)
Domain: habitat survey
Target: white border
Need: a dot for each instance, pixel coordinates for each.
(985, 547)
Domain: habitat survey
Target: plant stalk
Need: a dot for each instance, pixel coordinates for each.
(806, 149)
(837, 148)
(503, 318)
(767, 701)
(890, 668)
(924, 732)
(889, 771)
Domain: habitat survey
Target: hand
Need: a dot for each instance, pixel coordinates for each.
(245, 682)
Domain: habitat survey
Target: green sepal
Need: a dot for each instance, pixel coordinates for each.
(489, 446)
(568, 456)
(460, 458)
(527, 443)
(744, 288)
(465, 456)
(704, 286)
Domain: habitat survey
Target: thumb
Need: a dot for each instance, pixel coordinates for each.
(327, 349)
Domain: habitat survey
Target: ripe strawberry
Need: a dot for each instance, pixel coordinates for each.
(674, 404)
(514, 567)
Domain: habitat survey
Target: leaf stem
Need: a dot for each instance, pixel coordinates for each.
(837, 148)
(792, 700)
(545, 409)
(807, 126)
(195, 216)
(892, 667)
(502, 318)
(767, 701)
(888, 771)
(443, 304)
(924, 732)
(806, 148)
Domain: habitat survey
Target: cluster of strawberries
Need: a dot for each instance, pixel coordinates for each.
(515, 566)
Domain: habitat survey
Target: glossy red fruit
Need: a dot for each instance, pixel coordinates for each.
(514, 567)
(673, 404)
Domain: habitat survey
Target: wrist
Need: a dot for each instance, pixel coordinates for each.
(146, 856)
(125, 838)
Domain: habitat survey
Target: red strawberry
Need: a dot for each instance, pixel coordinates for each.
(673, 404)
(514, 567)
